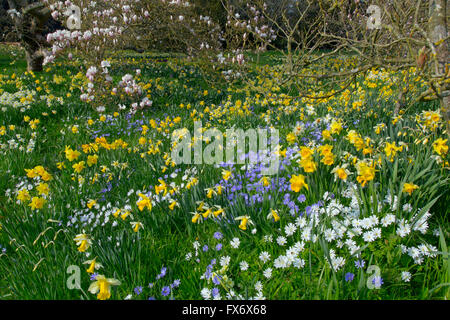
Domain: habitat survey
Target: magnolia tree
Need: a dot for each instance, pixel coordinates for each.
(96, 29)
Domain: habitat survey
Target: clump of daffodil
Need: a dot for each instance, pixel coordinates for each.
(244, 221)
(38, 171)
(93, 265)
(308, 165)
(102, 286)
(83, 242)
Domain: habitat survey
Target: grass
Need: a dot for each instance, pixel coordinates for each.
(39, 245)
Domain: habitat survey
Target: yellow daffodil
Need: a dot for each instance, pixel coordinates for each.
(92, 160)
(409, 188)
(440, 146)
(136, 226)
(102, 286)
(210, 192)
(326, 135)
(298, 182)
(43, 189)
(291, 138)
(273, 214)
(265, 181)
(244, 221)
(173, 204)
(91, 203)
(71, 154)
(161, 187)
(365, 172)
(341, 172)
(197, 218)
(144, 202)
(93, 265)
(83, 242)
(37, 203)
(78, 167)
(23, 195)
(219, 211)
(125, 215)
(207, 213)
(226, 174)
(116, 213)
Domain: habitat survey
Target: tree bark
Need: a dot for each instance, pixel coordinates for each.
(34, 60)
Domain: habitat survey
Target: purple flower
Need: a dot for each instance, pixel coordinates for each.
(215, 292)
(162, 274)
(165, 291)
(349, 276)
(94, 276)
(377, 281)
(301, 198)
(138, 290)
(359, 264)
(218, 235)
(219, 247)
(308, 210)
(175, 284)
(205, 248)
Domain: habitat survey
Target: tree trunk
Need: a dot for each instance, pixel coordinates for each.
(289, 48)
(34, 60)
(30, 27)
(438, 33)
